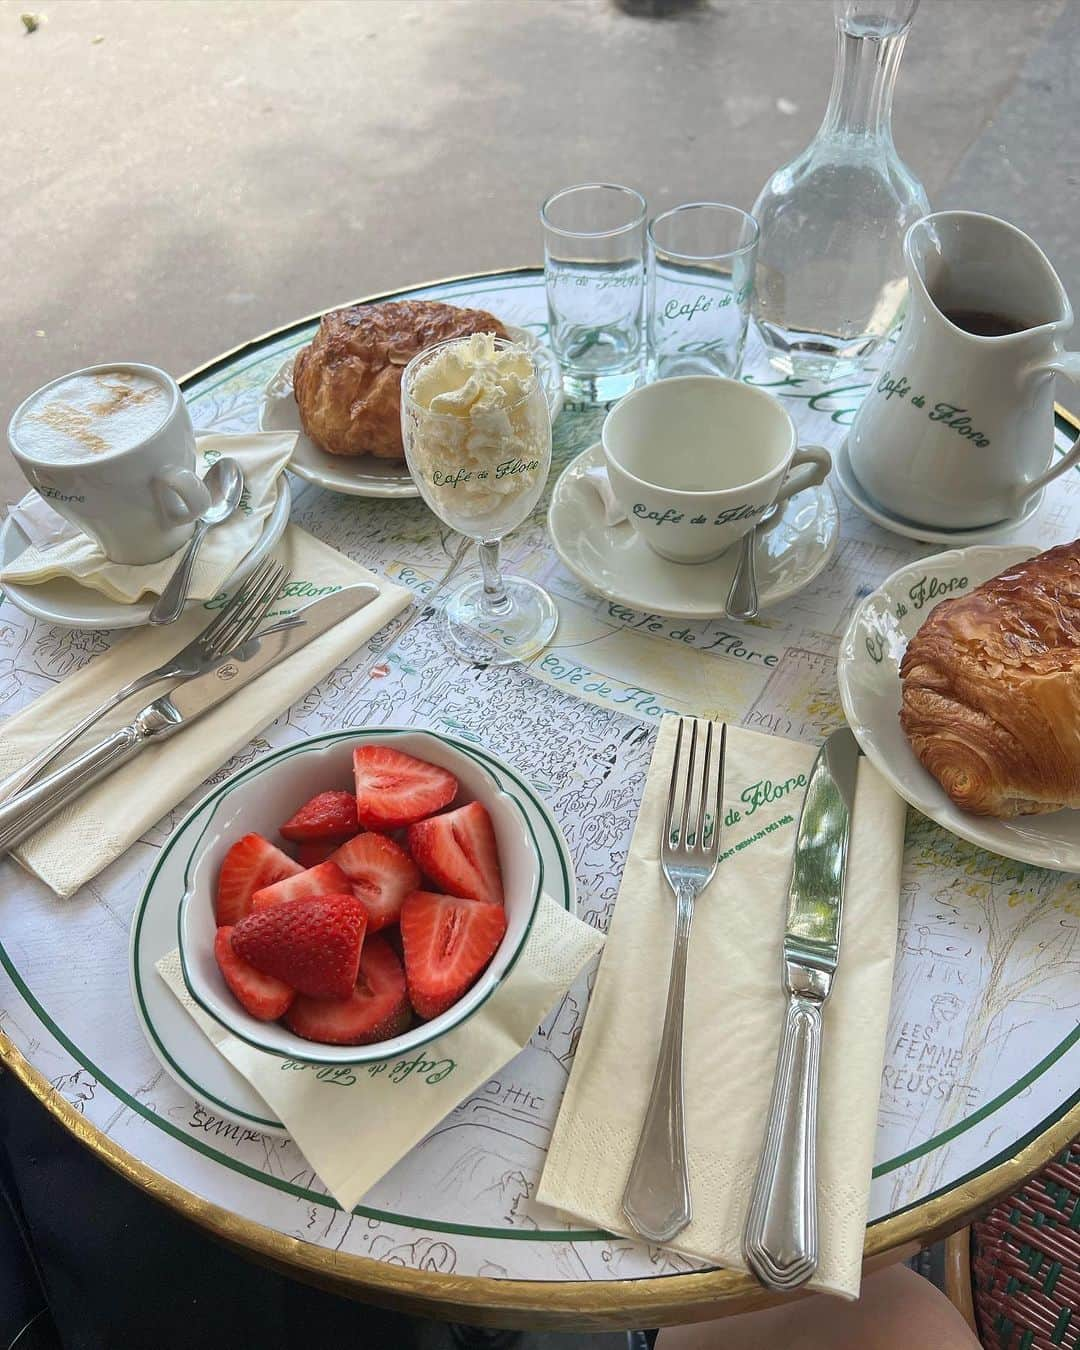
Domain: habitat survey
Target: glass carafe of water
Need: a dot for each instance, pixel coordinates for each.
(830, 283)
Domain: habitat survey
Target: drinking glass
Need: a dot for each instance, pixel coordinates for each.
(594, 273)
(481, 468)
(701, 277)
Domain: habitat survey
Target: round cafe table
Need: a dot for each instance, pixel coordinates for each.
(979, 1085)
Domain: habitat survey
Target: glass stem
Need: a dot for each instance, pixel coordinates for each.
(496, 601)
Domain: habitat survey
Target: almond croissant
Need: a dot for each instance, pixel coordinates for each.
(991, 689)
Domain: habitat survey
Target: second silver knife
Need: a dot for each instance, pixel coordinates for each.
(781, 1239)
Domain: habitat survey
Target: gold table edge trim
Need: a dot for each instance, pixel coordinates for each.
(532, 1304)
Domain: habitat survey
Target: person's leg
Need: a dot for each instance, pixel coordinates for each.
(897, 1310)
(122, 1272)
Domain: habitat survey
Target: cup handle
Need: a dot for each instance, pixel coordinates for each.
(182, 495)
(1067, 364)
(815, 463)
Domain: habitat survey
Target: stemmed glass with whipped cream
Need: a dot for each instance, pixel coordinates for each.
(477, 436)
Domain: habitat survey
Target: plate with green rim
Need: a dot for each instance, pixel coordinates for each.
(185, 1054)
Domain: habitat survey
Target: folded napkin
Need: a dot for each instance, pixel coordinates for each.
(354, 1124)
(58, 549)
(735, 1013)
(75, 845)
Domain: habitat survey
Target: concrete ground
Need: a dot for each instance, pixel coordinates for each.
(178, 175)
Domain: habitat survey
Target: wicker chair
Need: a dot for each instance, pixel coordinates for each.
(1015, 1275)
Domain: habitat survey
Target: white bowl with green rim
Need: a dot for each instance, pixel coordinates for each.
(260, 797)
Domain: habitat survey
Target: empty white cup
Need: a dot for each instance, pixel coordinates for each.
(696, 461)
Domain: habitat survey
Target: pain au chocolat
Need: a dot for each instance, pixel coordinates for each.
(347, 383)
(991, 689)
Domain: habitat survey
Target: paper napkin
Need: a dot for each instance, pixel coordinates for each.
(735, 1013)
(80, 841)
(353, 1124)
(58, 549)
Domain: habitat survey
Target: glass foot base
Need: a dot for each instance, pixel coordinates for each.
(583, 387)
(525, 627)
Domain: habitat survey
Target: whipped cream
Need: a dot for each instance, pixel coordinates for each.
(478, 434)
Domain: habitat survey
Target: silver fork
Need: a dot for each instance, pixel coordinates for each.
(232, 627)
(657, 1195)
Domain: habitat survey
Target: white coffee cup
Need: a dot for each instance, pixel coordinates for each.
(696, 461)
(139, 499)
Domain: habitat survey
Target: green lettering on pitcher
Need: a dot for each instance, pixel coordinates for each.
(952, 415)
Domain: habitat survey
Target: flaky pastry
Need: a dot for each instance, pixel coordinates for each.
(347, 383)
(991, 689)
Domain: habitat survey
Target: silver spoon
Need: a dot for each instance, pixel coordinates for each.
(225, 482)
(742, 600)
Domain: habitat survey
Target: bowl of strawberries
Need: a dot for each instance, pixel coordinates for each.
(360, 896)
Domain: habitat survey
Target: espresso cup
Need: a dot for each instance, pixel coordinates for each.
(120, 472)
(695, 462)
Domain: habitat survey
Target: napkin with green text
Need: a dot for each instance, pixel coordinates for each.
(339, 1117)
(106, 820)
(735, 1013)
(58, 549)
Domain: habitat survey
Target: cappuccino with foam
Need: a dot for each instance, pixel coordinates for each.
(112, 449)
(86, 416)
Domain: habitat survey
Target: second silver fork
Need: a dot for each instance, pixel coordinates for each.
(232, 627)
(657, 1196)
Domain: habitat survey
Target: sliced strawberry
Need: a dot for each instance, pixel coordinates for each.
(261, 995)
(311, 855)
(377, 1008)
(381, 875)
(448, 942)
(457, 851)
(314, 945)
(330, 815)
(395, 789)
(325, 879)
(252, 863)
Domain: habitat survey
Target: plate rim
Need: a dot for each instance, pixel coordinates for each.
(767, 598)
(845, 666)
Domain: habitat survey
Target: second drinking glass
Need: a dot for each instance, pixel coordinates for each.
(701, 275)
(477, 436)
(594, 272)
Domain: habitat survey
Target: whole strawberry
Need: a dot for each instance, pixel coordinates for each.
(312, 944)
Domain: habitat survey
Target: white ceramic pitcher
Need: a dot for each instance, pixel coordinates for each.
(957, 431)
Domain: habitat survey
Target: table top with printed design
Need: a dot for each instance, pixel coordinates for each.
(979, 1085)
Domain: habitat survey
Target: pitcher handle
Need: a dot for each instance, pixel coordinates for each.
(810, 465)
(1067, 364)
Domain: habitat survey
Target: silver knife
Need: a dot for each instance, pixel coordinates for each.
(28, 810)
(781, 1238)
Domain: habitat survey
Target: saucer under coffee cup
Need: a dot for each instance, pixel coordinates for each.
(697, 460)
(111, 448)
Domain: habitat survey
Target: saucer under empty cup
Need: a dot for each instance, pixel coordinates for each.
(613, 561)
